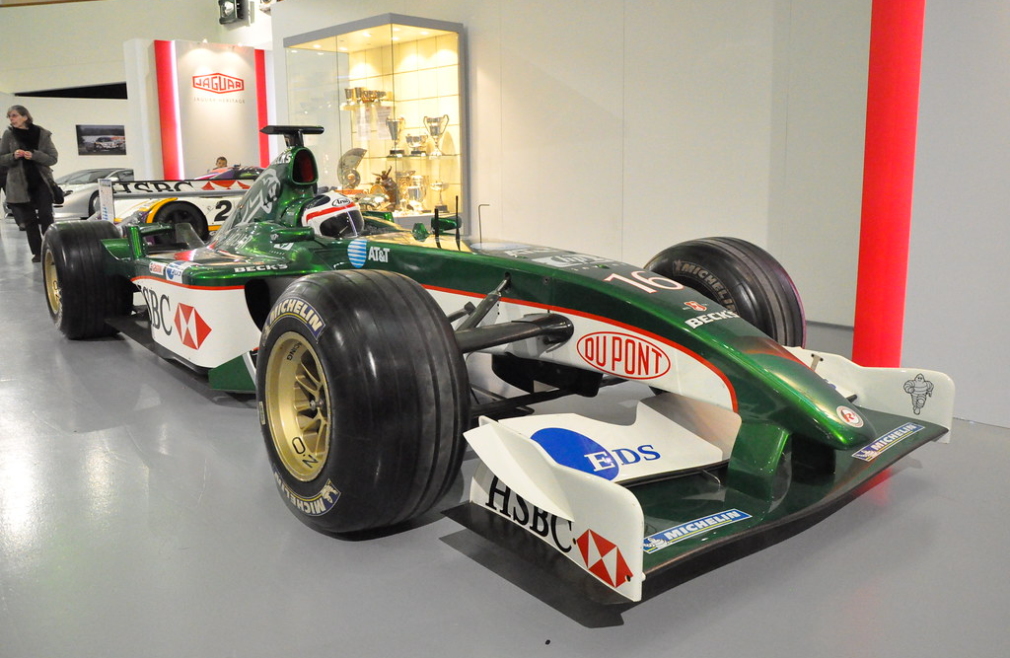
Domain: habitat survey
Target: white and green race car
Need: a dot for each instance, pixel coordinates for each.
(353, 332)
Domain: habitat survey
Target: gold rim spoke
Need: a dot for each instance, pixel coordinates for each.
(298, 414)
(307, 379)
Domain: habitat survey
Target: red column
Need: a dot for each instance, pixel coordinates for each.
(892, 106)
(168, 110)
(261, 105)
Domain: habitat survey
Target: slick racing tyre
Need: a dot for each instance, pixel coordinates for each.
(183, 212)
(363, 398)
(79, 293)
(741, 277)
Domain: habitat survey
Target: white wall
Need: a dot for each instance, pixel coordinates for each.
(958, 306)
(621, 127)
(818, 125)
(615, 127)
(62, 115)
(81, 43)
(79, 51)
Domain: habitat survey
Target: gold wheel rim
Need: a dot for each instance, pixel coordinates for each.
(295, 395)
(52, 283)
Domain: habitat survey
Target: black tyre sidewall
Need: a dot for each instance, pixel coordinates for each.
(397, 394)
(88, 294)
(741, 277)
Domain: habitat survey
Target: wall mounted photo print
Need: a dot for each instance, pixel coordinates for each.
(101, 140)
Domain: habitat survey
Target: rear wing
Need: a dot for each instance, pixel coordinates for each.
(293, 135)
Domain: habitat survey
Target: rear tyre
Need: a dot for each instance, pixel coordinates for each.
(741, 277)
(363, 399)
(183, 212)
(79, 293)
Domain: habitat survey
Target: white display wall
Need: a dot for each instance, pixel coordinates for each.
(620, 128)
(606, 126)
(84, 46)
(958, 307)
(61, 116)
(74, 44)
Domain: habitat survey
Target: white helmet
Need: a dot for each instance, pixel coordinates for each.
(333, 215)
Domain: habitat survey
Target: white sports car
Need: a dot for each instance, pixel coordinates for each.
(80, 191)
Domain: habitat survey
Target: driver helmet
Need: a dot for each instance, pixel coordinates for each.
(333, 215)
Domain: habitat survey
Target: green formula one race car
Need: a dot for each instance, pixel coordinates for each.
(355, 333)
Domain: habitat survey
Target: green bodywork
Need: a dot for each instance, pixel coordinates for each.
(263, 240)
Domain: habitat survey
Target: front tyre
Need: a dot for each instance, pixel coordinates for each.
(362, 392)
(741, 277)
(80, 295)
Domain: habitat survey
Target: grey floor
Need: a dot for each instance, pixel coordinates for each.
(138, 518)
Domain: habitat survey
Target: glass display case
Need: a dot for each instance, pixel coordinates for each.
(390, 94)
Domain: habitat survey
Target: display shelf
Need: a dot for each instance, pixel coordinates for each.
(390, 93)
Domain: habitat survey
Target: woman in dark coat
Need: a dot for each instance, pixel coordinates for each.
(28, 153)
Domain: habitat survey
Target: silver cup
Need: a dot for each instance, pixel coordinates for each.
(436, 128)
(416, 193)
(415, 142)
(395, 128)
(439, 186)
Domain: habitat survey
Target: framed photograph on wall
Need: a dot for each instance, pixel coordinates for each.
(100, 140)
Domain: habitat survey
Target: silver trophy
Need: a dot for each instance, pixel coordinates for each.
(439, 186)
(436, 128)
(395, 128)
(415, 142)
(415, 193)
(347, 172)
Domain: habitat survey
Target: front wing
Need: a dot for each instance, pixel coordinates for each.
(620, 533)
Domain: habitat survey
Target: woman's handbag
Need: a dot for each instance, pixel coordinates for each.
(54, 189)
(57, 193)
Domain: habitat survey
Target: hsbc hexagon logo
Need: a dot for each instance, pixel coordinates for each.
(218, 83)
(603, 559)
(191, 327)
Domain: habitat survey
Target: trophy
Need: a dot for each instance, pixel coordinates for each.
(353, 94)
(436, 128)
(439, 186)
(415, 142)
(395, 128)
(403, 179)
(386, 187)
(371, 95)
(415, 193)
(347, 172)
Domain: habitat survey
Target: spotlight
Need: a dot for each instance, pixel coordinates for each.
(230, 11)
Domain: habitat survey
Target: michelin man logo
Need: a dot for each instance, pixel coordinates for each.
(920, 389)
